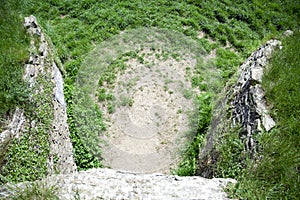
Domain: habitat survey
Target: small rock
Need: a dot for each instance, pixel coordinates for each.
(257, 73)
(288, 33)
(268, 122)
(43, 49)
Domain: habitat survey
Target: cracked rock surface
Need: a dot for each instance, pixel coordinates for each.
(111, 184)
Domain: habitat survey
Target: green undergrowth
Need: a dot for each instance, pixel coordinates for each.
(189, 163)
(275, 175)
(26, 157)
(34, 191)
(13, 53)
(23, 158)
(76, 26)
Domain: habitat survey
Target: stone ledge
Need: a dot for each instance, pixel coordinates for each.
(111, 184)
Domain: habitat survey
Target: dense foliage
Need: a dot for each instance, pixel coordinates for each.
(13, 54)
(76, 26)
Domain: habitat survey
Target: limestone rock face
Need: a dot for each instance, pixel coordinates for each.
(111, 184)
(12, 130)
(41, 64)
(249, 108)
(243, 105)
(61, 155)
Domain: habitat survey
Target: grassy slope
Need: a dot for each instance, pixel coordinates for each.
(76, 26)
(277, 173)
(13, 53)
(25, 158)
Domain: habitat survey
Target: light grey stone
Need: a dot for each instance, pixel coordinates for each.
(246, 102)
(268, 122)
(14, 128)
(249, 104)
(288, 33)
(257, 73)
(111, 184)
(58, 89)
(261, 108)
(43, 65)
(61, 150)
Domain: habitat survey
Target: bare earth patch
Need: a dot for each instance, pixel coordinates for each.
(150, 123)
(144, 83)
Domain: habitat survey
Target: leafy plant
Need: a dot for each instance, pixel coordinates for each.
(232, 156)
(26, 157)
(201, 119)
(227, 61)
(126, 101)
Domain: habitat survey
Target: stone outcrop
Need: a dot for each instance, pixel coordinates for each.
(111, 184)
(249, 108)
(61, 151)
(13, 127)
(243, 106)
(42, 64)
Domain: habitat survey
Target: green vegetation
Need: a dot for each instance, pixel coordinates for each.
(76, 26)
(227, 61)
(34, 191)
(276, 173)
(236, 28)
(14, 45)
(232, 157)
(188, 165)
(24, 158)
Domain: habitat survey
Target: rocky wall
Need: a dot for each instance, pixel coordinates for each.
(61, 151)
(248, 105)
(41, 64)
(243, 106)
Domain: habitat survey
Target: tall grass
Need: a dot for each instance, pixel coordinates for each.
(13, 54)
(276, 175)
(33, 191)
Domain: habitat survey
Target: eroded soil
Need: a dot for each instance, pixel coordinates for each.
(150, 122)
